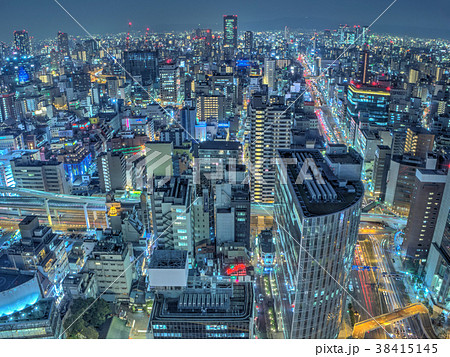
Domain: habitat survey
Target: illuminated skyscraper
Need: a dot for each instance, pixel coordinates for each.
(270, 130)
(437, 270)
(169, 83)
(63, 45)
(230, 32)
(269, 72)
(366, 103)
(22, 42)
(7, 108)
(313, 208)
(142, 65)
(426, 200)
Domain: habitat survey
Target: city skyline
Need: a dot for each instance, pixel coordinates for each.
(224, 183)
(102, 19)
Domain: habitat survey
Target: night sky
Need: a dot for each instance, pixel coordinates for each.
(43, 18)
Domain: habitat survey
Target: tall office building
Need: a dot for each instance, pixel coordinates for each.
(423, 214)
(111, 171)
(400, 182)
(232, 215)
(142, 65)
(437, 269)
(248, 42)
(270, 127)
(366, 103)
(63, 45)
(230, 34)
(380, 171)
(269, 72)
(212, 158)
(48, 176)
(110, 261)
(210, 108)
(363, 66)
(318, 204)
(188, 121)
(7, 107)
(22, 42)
(169, 83)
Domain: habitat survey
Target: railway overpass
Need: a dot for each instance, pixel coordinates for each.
(360, 329)
(21, 199)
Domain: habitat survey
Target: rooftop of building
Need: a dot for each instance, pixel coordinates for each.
(225, 301)
(109, 247)
(28, 220)
(41, 310)
(419, 130)
(375, 88)
(168, 259)
(176, 188)
(351, 158)
(325, 193)
(219, 145)
(10, 279)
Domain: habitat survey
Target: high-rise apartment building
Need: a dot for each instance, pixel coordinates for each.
(171, 213)
(317, 210)
(419, 142)
(270, 130)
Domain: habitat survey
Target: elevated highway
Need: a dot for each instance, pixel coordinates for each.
(362, 327)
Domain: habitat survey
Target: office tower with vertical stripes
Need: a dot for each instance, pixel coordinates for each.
(317, 212)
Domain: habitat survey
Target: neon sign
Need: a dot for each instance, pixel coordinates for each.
(237, 270)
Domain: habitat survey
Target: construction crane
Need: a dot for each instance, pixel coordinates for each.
(128, 36)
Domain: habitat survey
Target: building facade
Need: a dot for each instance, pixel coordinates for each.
(318, 228)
